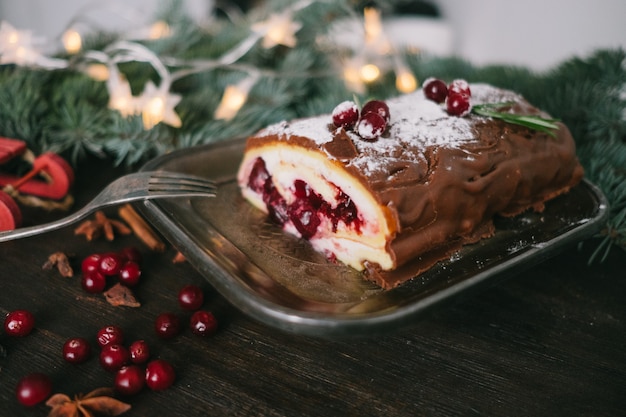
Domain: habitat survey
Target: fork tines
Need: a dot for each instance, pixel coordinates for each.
(163, 181)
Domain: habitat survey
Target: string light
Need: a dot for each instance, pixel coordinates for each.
(278, 29)
(372, 24)
(234, 98)
(369, 73)
(72, 41)
(159, 30)
(120, 95)
(157, 105)
(17, 46)
(405, 80)
(375, 57)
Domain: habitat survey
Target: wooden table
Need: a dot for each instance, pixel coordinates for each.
(550, 341)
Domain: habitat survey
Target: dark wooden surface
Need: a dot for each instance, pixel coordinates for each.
(548, 342)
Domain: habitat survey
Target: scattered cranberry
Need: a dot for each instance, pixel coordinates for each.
(345, 114)
(110, 335)
(435, 90)
(203, 323)
(113, 357)
(19, 323)
(167, 325)
(458, 104)
(93, 282)
(33, 389)
(459, 87)
(91, 263)
(377, 106)
(110, 264)
(190, 297)
(131, 253)
(76, 350)
(129, 380)
(139, 352)
(130, 273)
(160, 375)
(371, 126)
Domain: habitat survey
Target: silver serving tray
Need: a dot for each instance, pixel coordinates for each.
(282, 282)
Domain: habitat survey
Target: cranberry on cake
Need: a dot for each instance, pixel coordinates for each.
(378, 187)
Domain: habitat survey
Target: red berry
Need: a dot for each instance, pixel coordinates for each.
(129, 380)
(131, 254)
(435, 90)
(459, 87)
(139, 351)
(167, 325)
(345, 114)
(377, 106)
(91, 263)
(160, 375)
(33, 389)
(113, 357)
(458, 104)
(19, 323)
(76, 350)
(93, 282)
(203, 323)
(371, 126)
(191, 297)
(110, 335)
(130, 273)
(110, 264)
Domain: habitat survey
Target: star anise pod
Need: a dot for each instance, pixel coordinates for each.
(61, 262)
(121, 295)
(97, 402)
(101, 224)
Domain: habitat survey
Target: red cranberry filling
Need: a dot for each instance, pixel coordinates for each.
(309, 207)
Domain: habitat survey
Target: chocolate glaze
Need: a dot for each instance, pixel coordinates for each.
(442, 197)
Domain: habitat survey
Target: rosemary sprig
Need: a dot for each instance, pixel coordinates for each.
(538, 123)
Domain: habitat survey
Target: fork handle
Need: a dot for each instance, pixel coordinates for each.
(46, 227)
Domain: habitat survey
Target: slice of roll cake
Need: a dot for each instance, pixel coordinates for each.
(377, 187)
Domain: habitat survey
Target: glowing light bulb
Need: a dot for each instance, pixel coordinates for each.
(372, 24)
(232, 100)
(369, 73)
(153, 112)
(235, 96)
(17, 46)
(13, 37)
(159, 29)
(405, 81)
(278, 29)
(98, 72)
(72, 41)
(276, 35)
(157, 105)
(122, 104)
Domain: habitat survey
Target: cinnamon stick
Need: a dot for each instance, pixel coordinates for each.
(141, 228)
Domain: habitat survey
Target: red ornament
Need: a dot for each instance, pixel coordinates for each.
(55, 184)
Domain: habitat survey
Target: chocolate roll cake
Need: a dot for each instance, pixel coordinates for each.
(426, 182)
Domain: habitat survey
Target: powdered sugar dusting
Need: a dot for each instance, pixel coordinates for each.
(344, 107)
(416, 123)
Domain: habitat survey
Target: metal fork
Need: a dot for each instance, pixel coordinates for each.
(147, 185)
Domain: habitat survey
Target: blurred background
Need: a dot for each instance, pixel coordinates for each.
(533, 33)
